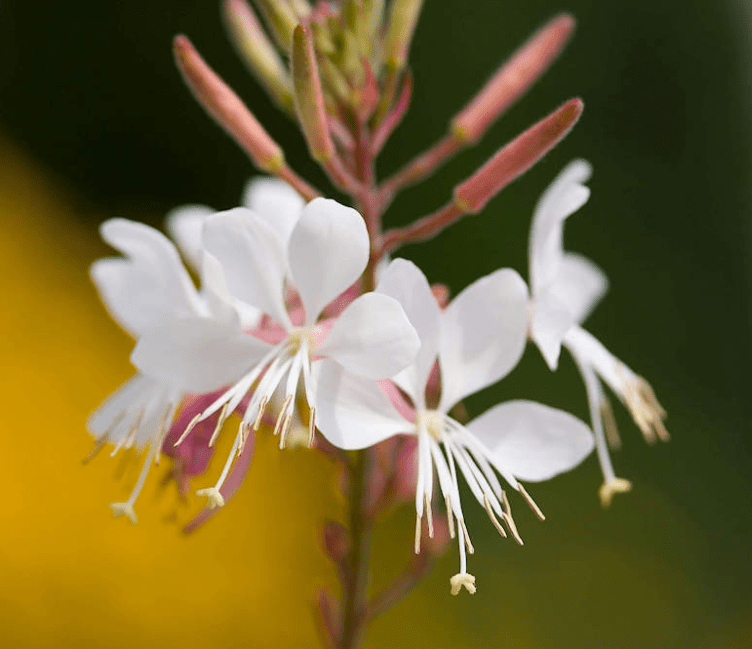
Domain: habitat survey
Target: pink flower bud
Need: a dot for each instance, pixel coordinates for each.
(336, 541)
(309, 98)
(226, 108)
(402, 22)
(516, 158)
(513, 79)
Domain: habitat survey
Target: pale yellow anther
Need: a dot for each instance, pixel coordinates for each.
(214, 498)
(429, 515)
(260, 413)
(220, 423)
(124, 509)
(450, 517)
(509, 520)
(492, 516)
(609, 489)
(531, 503)
(460, 580)
(188, 429)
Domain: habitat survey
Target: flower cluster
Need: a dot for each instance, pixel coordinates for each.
(305, 328)
(281, 329)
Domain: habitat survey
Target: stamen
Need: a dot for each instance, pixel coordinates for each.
(468, 543)
(429, 515)
(285, 429)
(418, 521)
(609, 424)
(509, 520)
(188, 429)
(215, 499)
(161, 434)
(450, 517)
(531, 503)
(244, 431)
(99, 444)
(492, 516)
(260, 413)
(311, 427)
(460, 580)
(126, 508)
(612, 487)
(281, 415)
(220, 423)
(643, 405)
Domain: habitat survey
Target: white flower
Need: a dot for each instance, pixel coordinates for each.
(477, 340)
(148, 286)
(326, 252)
(565, 288)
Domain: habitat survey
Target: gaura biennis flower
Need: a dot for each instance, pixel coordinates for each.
(477, 341)
(565, 288)
(326, 253)
(148, 287)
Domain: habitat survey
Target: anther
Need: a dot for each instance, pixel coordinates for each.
(188, 429)
(282, 412)
(492, 516)
(509, 520)
(609, 424)
(220, 423)
(418, 522)
(468, 543)
(429, 514)
(450, 517)
(531, 503)
(260, 413)
(311, 427)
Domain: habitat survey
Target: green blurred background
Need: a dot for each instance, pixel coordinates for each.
(94, 122)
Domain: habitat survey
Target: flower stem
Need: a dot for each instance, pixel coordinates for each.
(361, 531)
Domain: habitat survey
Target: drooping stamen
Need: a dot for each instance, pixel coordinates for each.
(531, 503)
(127, 440)
(311, 426)
(609, 424)
(647, 413)
(429, 515)
(509, 519)
(220, 422)
(493, 518)
(188, 429)
(466, 537)
(126, 508)
(260, 413)
(450, 517)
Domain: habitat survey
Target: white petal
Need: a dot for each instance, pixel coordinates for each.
(406, 283)
(184, 225)
(483, 334)
(564, 196)
(276, 202)
(551, 321)
(372, 337)
(151, 286)
(579, 285)
(223, 306)
(197, 355)
(328, 251)
(252, 257)
(351, 411)
(532, 441)
(112, 407)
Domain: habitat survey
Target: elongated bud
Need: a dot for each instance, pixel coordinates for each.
(281, 18)
(257, 51)
(516, 158)
(309, 98)
(226, 108)
(402, 21)
(513, 79)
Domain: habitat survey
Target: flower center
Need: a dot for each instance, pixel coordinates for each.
(433, 422)
(297, 339)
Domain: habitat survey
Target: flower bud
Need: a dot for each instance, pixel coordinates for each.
(281, 19)
(513, 79)
(336, 541)
(257, 51)
(516, 158)
(226, 108)
(309, 98)
(402, 21)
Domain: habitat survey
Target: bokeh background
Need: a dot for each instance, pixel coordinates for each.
(94, 122)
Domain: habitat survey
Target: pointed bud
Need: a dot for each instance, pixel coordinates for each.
(257, 51)
(226, 107)
(516, 158)
(513, 79)
(402, 21)
(309, 98)
(281, 19)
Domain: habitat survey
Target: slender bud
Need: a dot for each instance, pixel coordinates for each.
(513, 79)
(281, 18)
(309, 98)
(402, 21)
(257, 51)
(226, 107)
(516, 158)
